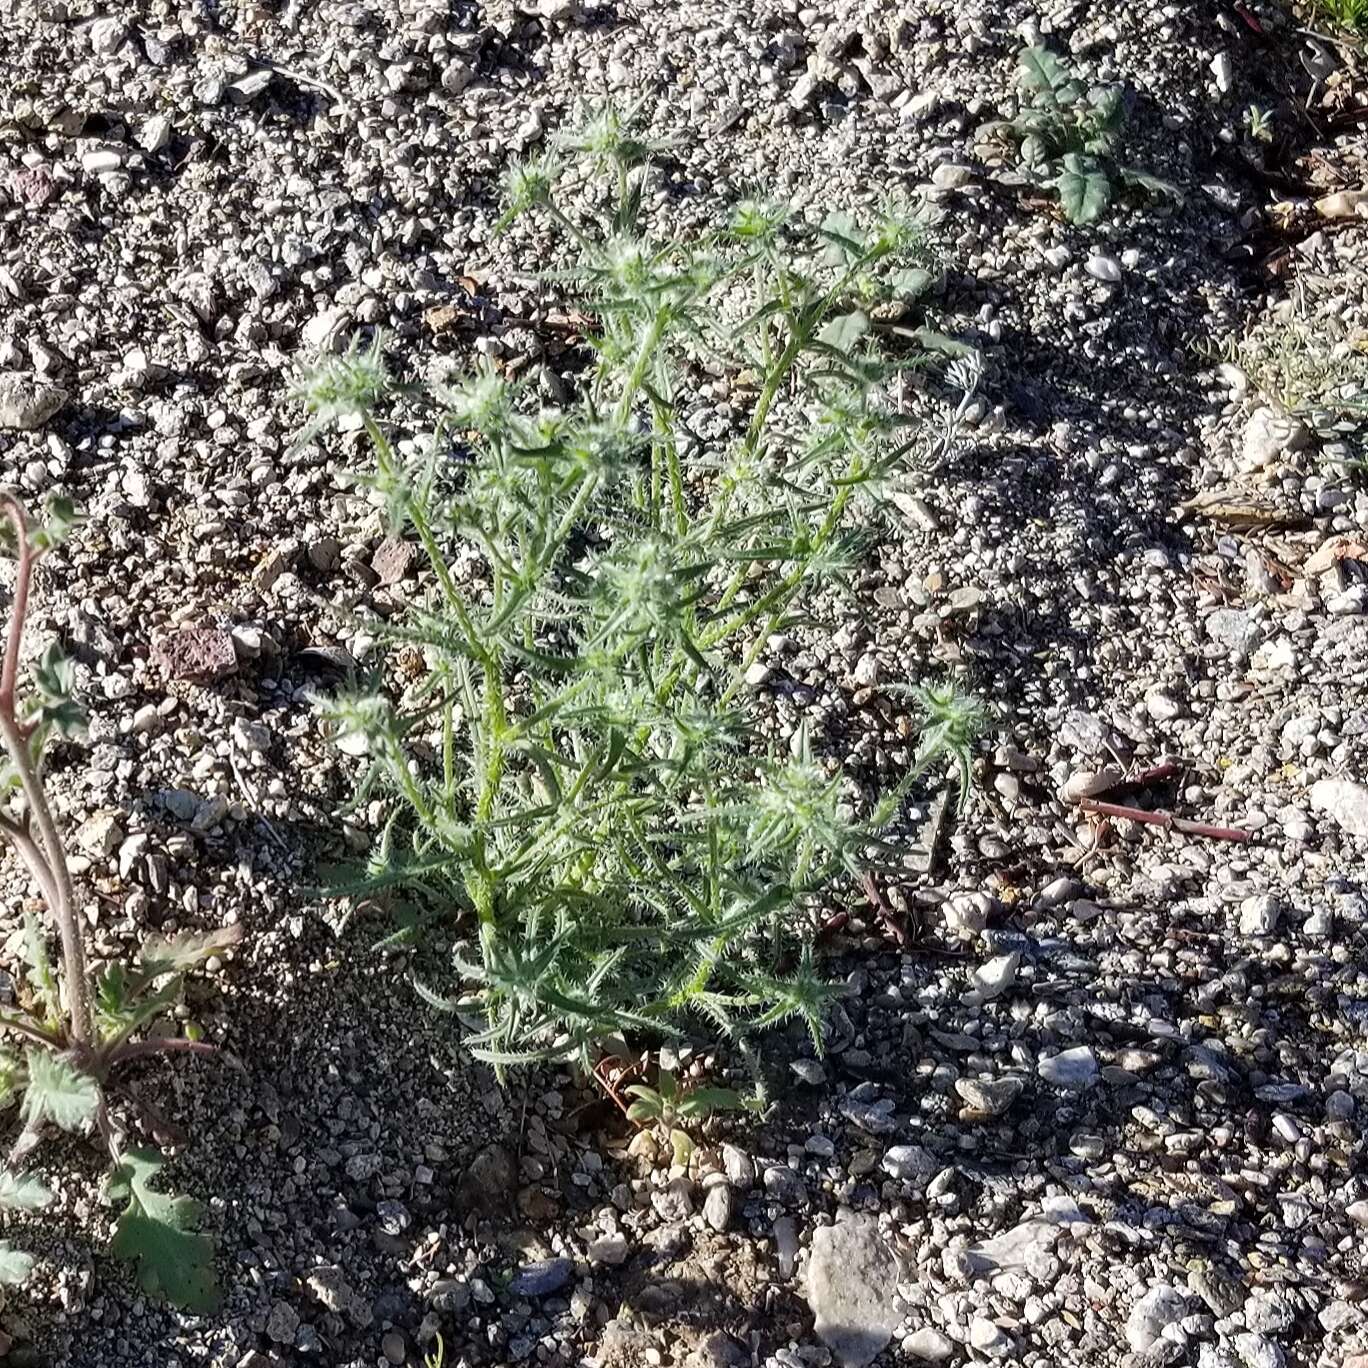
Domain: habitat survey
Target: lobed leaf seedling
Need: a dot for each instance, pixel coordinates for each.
(1066, 136)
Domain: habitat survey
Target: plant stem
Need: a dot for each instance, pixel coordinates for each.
(48, 850)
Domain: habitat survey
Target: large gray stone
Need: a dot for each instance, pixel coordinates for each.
(851, 1288)
(25, 405)
(1345, 801)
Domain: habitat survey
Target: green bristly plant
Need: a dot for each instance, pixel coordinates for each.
(74, 1029)
(1348, 14)
(1066, 135)
(571, 780)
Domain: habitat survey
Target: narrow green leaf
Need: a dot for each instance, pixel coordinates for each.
(705, 1101)
(156, 1234)
(1151, 185)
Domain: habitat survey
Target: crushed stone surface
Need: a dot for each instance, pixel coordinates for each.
(1095, 1093)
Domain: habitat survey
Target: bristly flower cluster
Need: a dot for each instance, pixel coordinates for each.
(570, 777)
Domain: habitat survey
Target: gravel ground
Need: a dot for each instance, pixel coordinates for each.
(1093, 1095)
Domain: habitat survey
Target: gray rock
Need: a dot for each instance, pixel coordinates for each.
(1159, 1308)
(608, 1249)
(1075, 1069)
(786, 1245)
(1014, 1248)
(989, 1096)
(1233, 628)
(1259, 915)
(874, 1117)
(1345, 801)
(737, 1165)
(1223, 1294)
(541, 1279)
(851, 1288)
(952, 176)
(1269, 436)
(784, 1185)
(718, 1206)
(996, 976)
(719, 1350)
(929, 1345)
(488, 1183)
(909, 1162)
(989, 1338)
(1104, 268)
(25, 405)
(281, 1323)
(1257, 1351)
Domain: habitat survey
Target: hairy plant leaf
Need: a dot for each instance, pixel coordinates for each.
(54, 678)
(58, 1092)
(845, 239)
(175, 954)
(1040, 72)
(1151, 185)
(842, 333)
(912, 281)
(22, 1192)
(11, 1066)
(15, 1265)
(61, 517)
(1034, 151)
(1085, 189)
(156, 1233)
(40, 975)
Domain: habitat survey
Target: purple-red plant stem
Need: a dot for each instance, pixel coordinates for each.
(1164, 819)
(140, 1049)
(23, 574)
(57, 888)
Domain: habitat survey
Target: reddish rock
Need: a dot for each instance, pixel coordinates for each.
(34, 185)
(393, 559)
(200, 653)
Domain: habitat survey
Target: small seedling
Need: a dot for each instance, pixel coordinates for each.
(1259, 123)
(1066, 136)
(668, 1107)
(78, 1028)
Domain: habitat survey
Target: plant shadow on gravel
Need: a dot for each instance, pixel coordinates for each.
(309, 1156)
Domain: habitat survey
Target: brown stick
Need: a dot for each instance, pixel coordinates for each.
(1166, 820)
(141, 1049)
(895, 929)
(1165, 769)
